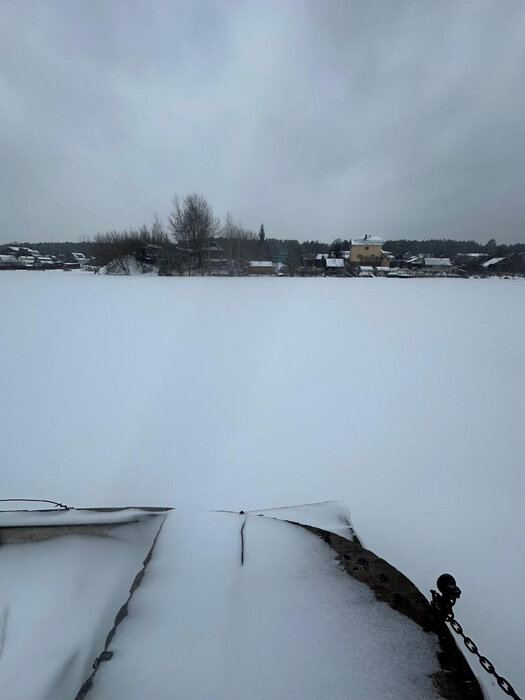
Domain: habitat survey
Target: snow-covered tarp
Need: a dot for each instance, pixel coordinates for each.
(72, 516)
(58, 598)
(198, 605)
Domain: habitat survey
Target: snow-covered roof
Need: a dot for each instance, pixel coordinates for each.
(334, 262)
(492, 261)
(8, 259)
(367, 240)
(320, 256)
(444, 262)
(366, 268)
(261, 263)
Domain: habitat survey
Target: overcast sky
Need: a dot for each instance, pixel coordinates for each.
(320, 118)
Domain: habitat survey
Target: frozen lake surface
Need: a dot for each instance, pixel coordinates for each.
(402, 398)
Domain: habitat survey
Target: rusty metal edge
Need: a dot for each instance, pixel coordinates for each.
(455, 680)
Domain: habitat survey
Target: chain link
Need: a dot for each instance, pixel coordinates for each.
(442, 604)
(485, 663)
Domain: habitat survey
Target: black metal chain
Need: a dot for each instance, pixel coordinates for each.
(34, 500)
(442, 604)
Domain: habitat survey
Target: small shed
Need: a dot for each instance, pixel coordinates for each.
(261, 267)
(437, 264)
(334, 266)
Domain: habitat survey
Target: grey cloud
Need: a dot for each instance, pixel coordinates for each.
(321, 119)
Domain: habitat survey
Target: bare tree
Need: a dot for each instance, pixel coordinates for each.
(232, 232)
(157, 228)
(147, 245)
(193, 225)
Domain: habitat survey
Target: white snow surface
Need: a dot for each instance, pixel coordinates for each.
(26, 518)
(288, 623)
(58, 599)
(330, 516)
(128, 265)
(406, 402)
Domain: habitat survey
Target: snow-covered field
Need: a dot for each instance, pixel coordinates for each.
(402, 398)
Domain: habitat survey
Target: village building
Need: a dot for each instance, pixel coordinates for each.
(261, 267)
(79, 258)
(496, 265)
(8, 262)
(18, 250)
(334, 266)
(471, 260)
(433, 265)
(44, 261)
(387, 258)
(26, 260)
(10, 250)
(366, 250)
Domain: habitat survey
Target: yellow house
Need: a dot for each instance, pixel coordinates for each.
(366, 250)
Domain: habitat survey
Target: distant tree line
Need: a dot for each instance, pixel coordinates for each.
(447, 247)
(194, 237)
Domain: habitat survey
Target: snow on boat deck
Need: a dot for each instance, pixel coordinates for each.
(331, 516)
(210, 605)
(287, 623)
